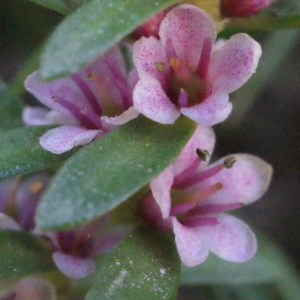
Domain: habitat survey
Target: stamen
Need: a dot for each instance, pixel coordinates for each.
(181, 208)
(202, 193)
(36, 187)
(229, 162)
(201, 176)
(199, 222)
(213, 208)
(77, 113)
(88, 94)
(204, 59)
(175, 62)
(160, 66)
(202, 154)
(180, 69)
(183, 99)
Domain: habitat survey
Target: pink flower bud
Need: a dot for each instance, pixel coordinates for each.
(243, 8)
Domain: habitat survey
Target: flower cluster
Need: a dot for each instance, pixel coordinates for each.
(178, 69)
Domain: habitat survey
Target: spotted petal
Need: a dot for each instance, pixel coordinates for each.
(72, 266)
(186, 27)
(231, 239)
(244, 183)
(191, 249)
(150, 99)
(213, 110)
(234, 63)
(64, 138)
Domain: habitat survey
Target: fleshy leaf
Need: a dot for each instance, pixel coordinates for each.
(22, 254)
(10, 108)
(21, 153)
(111, 169)
(144, 266)
(62, 6)
(99, 25)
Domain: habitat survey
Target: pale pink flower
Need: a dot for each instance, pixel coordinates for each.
(190, 198)
(85, 103)
(184, 73)
(243, 8)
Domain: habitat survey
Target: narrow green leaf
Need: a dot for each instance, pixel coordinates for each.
(110, 170)
(22, 253)
(10, 108)
(145, 266)
(92, 30)
(61, 6)
(21, 153)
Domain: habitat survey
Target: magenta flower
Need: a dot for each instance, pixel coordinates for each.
(190, 198)
(85, 104)
(74, 249)
(184, 72)
(243, 8)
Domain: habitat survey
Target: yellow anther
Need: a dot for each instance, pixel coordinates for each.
(36, 187)
(160, 66)
(175, 62)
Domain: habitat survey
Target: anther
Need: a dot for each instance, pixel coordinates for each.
(175, 62)
(36, 187)
(202, 154)
(160, 66)
(229, 162)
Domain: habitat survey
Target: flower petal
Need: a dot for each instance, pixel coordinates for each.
(245, 182)
(215, 109)
(233, 64)
(191, 249)
(35, 116)
(161, 190)
(231, 239)
(7, 222)
(64, 138)
(72, 266)
(187, 27)
(150, 99)
(203, 138)
(128, 115)
(147, 53)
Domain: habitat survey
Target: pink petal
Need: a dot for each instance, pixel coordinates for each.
(191, 249)
(245, 182)
(7, 222)
(147, 52)
(215, 109)
(128, 115)
(35, 116)
(72, 266)
(150, 99)
(232, 65)
(161, 190)
(203, 138)
(231, 239)
(187, 26)
(33, 289)
(65, 88)
(64, 138)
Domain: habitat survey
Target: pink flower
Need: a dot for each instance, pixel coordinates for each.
(184, 72)
(243, 8)
(190, 198)
(85, 103)
(74, 249)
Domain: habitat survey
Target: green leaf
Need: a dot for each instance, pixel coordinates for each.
(10, 108)
(91, 31)
(110, 170)
(22, 253)
(62, 6)
(21, 153)
(144, 266)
